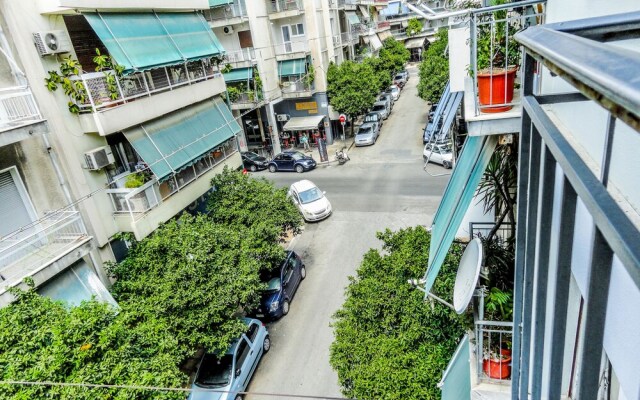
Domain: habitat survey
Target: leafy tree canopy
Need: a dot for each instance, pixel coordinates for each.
(394, 55)
(414, 26)
(42, 340)
(350, 88)
(382, 76)
(434, 69)
(389, 343)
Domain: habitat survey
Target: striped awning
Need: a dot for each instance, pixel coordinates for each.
(292, 67)
(352, 17)
(218, 3)
(238, 75)
(384, 35)
(376, 43)
(416, 43)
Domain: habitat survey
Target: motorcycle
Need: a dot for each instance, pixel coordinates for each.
(342, 156)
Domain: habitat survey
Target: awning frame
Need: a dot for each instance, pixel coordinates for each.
(309, 125)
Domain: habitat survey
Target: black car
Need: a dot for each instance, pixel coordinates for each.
(253, 162)
(282, 284)
(292, 160)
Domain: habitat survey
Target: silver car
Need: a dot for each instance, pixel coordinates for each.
(367, 134)
(387, 98)
(382, 108)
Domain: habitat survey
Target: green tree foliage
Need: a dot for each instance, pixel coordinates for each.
(393, 55)
(382, 76)
(414, 26)
(42, 340)
(390, 343)
(434, 69)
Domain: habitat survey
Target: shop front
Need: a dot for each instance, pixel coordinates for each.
(299, 129)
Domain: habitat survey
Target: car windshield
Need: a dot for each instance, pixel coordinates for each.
(371, 118)
(364, 130)
(273, 285)
(251, 156)
(399, 77)
(297, 156)
(378, 108)
(214, 371)
(310, 195)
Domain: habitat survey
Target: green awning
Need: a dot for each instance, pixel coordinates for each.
(141, 41)
(457, 198)
(179, 139)
(238, 75)
(456, 379)
(218, 3)
(292, 67)
(352, 17)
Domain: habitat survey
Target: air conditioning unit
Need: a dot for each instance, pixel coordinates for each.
(99, 158)
(282, 117)
(52, 42)
(228, 30)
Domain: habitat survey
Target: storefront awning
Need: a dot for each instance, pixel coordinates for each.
(76, 284)
(457, 198)
(238, 75)
(352, 17)
(292, 67)
(416, 43)
(142, 41)
(375, 42)
(218, 3)
(384, 35)
(303, 123)
(179, 139)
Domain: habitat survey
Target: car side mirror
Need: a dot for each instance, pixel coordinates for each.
(238, 372)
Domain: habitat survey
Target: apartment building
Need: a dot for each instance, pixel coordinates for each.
(99, 151)
(278, 52)
(575, 118)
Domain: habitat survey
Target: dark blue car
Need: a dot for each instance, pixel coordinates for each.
(282, 284)
(292, 160)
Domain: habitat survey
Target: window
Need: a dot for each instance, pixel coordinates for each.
(297, 30)
(288, 271)
(241, 352)
(252, 332)
(16, 209)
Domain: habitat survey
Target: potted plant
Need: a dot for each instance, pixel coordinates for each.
(498, 59)
(496, 362)
(67, 78)
(112, 71)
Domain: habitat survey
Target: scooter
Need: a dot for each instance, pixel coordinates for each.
(342, 156)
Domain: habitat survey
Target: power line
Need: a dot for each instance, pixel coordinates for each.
(165, 389)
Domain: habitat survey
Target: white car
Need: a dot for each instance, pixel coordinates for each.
(395, 92)
(310, 200)
(439, 153)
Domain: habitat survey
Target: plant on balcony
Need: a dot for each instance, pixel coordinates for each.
(112, 71)
(414, 26)
(227, 68)
(310, 76)
(498, 58)
(67, 78)
(134, 180)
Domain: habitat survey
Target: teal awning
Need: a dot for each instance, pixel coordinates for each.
(218, 3)
(238, 75)
(352, 17)
(456, 200)
(292, 67)
(456, 379)
(141, 41)
(179, 139)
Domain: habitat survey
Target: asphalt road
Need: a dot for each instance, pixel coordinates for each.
(383, 186)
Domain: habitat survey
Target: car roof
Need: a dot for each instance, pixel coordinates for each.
(366, 125)
(303, 185)
(380, 103)
(372, 113)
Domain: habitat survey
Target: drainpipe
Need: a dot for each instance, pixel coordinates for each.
(56, 167)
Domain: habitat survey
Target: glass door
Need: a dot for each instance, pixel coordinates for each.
(286, 38)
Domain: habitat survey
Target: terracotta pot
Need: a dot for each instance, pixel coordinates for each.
(496, 88)
(497, 368)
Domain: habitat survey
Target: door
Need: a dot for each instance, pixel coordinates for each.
(286, 162)
(242, 366)
(436, 155)
(286, 38)
(296, 200)
(288, 280)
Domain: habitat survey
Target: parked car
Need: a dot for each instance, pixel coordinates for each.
(310, 200)
(404, 73)
(292, 160)
(439, 153)
(374, 116)
(382, 108)
(400, 80)
(282, 284)
(367, 134)
(230, 373)
(253, 162)
(388, 98)
(395, 92)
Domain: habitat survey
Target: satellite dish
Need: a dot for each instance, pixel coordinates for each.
(467, 276)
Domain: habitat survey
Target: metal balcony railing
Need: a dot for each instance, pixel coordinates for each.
(142, 84)
(291, 47)
(285, 5)
(39, 243)
(247, 97)
(139, 201)
(336, 40)
(17, 108)
(247, 54)
(495, 53)
(493, 350)
(348, 37)
(234, 10)
(296, 87)
(482, 229)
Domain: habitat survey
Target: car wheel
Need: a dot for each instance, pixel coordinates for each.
(303, 272)
(253, 168)
(272, 168)
(285, 307)
(446, 164)
(299, 169)
(266, 344)
(238, 397)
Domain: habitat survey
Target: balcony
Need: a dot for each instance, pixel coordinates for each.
(19, 115)
(235, 13)
(143, 96)
(243, 58)
(492, 28)
(142, 210)
(285, 8)
(41, 250)
(336, 41)
(291, 50)
(296, 89)
(245, 100)
(349, 5)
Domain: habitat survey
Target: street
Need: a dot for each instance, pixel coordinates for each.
(383, 186)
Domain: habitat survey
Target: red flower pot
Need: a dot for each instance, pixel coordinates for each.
(497, 368)
(496, 88)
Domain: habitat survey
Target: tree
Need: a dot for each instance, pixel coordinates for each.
(434, 69)
(43, 340)
(382, 76)
(414, 26)
(350, 90)
(385, 326)
(393, 55)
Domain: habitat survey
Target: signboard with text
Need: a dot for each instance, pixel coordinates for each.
(322, 150)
